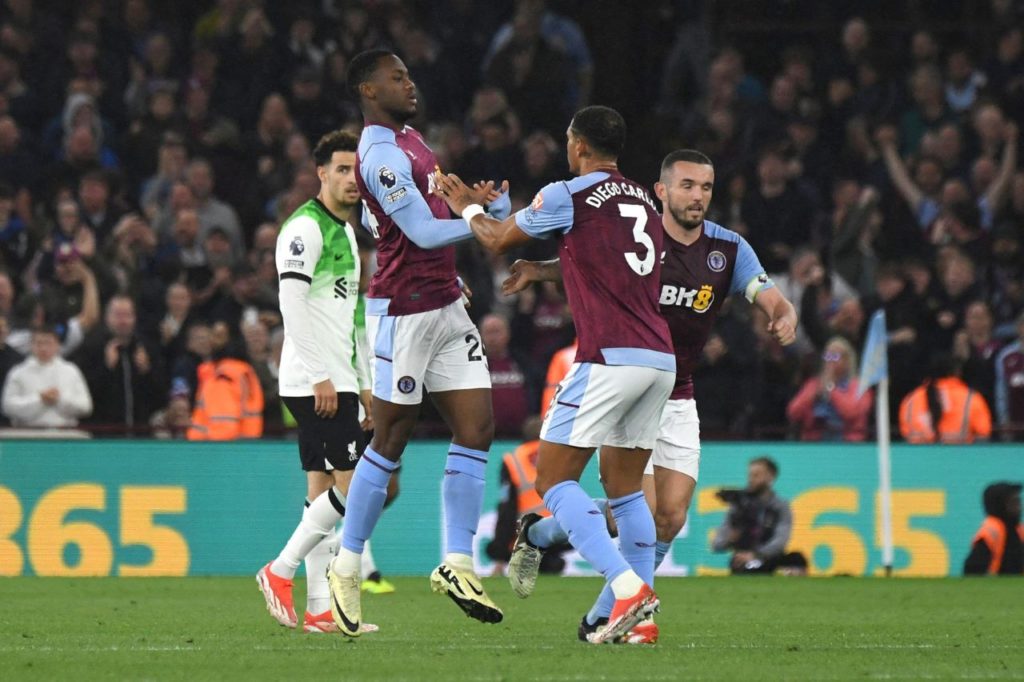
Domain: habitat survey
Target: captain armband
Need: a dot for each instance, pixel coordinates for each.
(757, 285)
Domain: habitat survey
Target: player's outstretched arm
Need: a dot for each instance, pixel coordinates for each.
(781, 314)
(494, 235)
(523, 273)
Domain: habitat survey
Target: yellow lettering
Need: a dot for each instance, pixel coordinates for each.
(849, 555)
(48, 535)
(929, 556)
(12, 561)
(170, 550)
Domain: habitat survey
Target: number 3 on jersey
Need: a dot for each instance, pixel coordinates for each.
(639, 214)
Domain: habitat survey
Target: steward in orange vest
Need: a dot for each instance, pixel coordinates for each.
(961, 413)
(998, 547)
(229, 401)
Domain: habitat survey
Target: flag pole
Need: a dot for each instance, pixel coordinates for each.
(884, 473)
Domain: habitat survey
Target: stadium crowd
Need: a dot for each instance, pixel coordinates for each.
(149, 153)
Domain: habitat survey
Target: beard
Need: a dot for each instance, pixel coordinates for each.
(684, 222)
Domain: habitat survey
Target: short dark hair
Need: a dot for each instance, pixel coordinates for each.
(362, 66)
(768, 464)
(603, 127)
(335, 141)
(685, 155)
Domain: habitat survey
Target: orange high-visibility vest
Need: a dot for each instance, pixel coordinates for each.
(561, 363)
(965, 415)
(229, 402)
(993, 534)
(522, 470)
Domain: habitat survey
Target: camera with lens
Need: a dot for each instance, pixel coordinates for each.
(736, 497)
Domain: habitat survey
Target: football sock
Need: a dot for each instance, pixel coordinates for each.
(366, 495)
(318, 593)
(318, 521)
(587, 529)
(547, 533)
(637, 544)
(463, 495)
(367, 565)
(661, 550)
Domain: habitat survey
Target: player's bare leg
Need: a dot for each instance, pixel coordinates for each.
(467, 413)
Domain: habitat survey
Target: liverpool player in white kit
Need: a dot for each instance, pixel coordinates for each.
(422, 338)
(610, 240)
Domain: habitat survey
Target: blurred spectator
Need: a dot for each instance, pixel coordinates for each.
(257, 349)
(172, 327)
(718, 380)
(508, 383)
(45, 390)
(147, 132)
(1009, 386)
(758, 524)
(773, 378)
(309, 109)
(123, 371)
(828, 407)
(543, 323)
(961, 414)
(229, 401)
(929, 110)
(534, 74)
(563, 34)
(975, 348)
(173, 421)
(211, 211)
(998, 546)
(155, 191)
(779, 217)
(14, 238)
(8, 357)
(855, 222)
(964, 83)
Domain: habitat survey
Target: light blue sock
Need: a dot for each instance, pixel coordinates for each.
(637, 542)
(463, 495)
(547, 533)
(661, 550)
(366, 495)
(588, 532)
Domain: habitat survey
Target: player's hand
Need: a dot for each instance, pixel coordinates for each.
(366, 400)
(455, 193)
(783, 331)
(522, 273)
(495, 193)
(325, 399)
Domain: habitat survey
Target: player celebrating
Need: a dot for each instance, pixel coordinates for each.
(614, 394)
(324, 375)
(703, 264)
(422, 338)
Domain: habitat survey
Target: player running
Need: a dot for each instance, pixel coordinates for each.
(614, 394)
(422, 338)
(703, 263)
(324, 377)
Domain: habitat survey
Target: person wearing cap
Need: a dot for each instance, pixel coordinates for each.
(998, 546)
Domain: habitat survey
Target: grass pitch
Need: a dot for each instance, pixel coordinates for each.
(712, 628)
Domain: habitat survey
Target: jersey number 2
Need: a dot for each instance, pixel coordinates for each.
(638, 213)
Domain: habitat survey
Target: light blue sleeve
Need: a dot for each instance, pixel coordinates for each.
(501, 207)
(387, 172)
(748, 269)
(551, 211)
(427, 232)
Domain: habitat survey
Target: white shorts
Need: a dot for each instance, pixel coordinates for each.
(678, 445)
(439, 350)
(617, 405)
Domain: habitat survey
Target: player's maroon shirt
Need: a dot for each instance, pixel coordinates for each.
(610, 238)
(695, 281)
(390, 167)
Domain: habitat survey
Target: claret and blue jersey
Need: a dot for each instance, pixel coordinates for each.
(611, 237)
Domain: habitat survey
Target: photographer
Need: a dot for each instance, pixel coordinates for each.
(758, 524)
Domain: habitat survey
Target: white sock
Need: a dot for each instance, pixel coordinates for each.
(318, 593)
(368, 565)
(463, 562)
(346, 562)
(625, 585)
(318, 520)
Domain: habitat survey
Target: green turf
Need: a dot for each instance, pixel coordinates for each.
(712, 628)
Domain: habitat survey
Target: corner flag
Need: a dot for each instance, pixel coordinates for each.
(874, 364)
